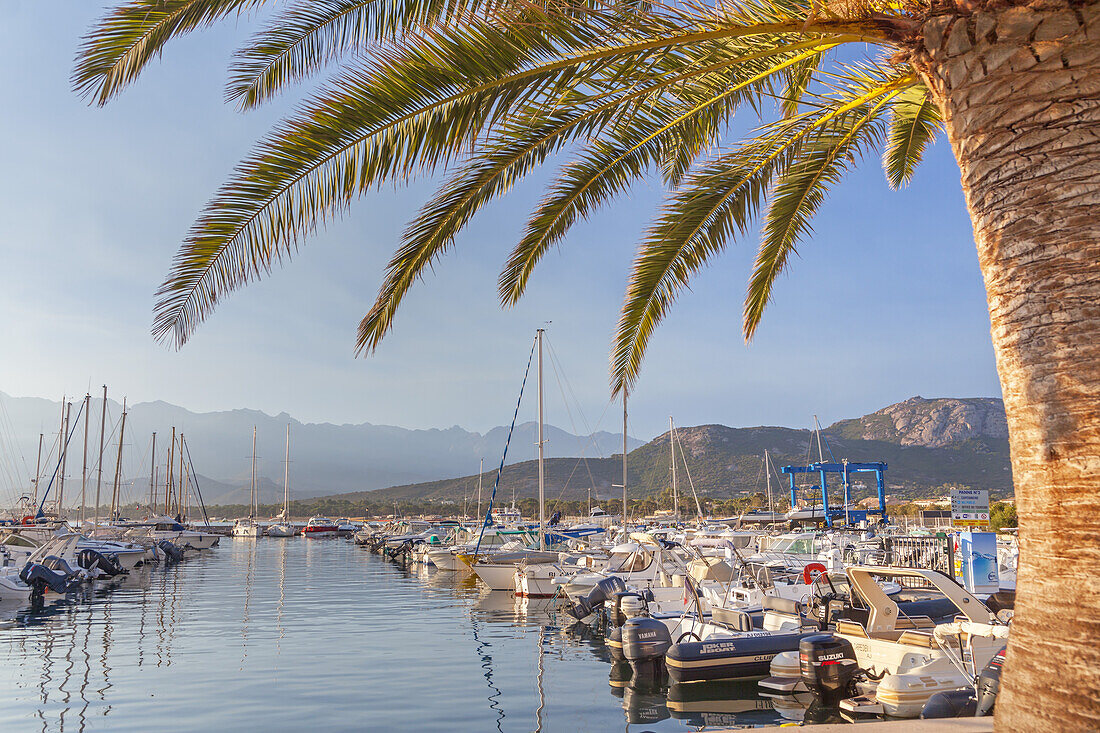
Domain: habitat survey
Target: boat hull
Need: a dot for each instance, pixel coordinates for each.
(496, 577)
(735, 658)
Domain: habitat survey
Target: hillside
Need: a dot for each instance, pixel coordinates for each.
(926, 443)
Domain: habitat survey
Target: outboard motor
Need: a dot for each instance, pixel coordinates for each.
(106, 564)
(969, 703)
(629, 604)
(172, 554)
(615, 644)
(828, 667)
(39, 577)
(989, 684)
(602, 592)
(645, 642)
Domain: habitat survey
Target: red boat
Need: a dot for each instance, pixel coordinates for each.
(321, 527)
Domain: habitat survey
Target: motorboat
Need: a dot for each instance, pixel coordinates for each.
(318, 527)
(247, 527)
(281, 529)
(893, 657)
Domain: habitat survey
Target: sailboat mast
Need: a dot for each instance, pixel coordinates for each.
(252, 487)
(62, 452)
(542, 504)
(624, 458)
(185, 485)
(118, 462)
(768, 475)
(152, 475)
(672, 447)
(179, 489)
(84, 462)
(286, 477)
(99, 473)
(480, 473)
(38, 468)
(64, 458)
(168, 479)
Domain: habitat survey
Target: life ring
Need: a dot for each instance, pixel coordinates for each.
(811, 571)
(27, 520)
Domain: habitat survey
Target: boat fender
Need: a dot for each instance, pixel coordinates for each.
(811, 571)
(950, 704)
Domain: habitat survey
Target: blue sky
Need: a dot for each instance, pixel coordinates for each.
(885, 301)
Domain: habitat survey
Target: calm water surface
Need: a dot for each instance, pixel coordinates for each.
(322, 635)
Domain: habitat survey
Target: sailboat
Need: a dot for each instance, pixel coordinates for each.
(248, 527)
(284, 528)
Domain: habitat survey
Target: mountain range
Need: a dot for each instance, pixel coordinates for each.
(325, 458)
(927, 443)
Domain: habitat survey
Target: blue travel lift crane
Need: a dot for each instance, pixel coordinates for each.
(844, 470)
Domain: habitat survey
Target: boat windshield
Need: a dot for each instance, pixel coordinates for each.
(633, 562)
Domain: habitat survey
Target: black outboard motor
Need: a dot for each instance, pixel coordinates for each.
(107, 564)
(40, 576)
(645, 642)
(172, 554)
(602, 592)
(989, 684)
(828, 665)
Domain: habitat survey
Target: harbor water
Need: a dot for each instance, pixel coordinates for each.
(294, 634)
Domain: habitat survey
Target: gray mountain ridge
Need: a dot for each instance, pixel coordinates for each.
(325, 458)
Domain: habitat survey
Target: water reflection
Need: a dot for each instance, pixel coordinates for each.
(457, 657)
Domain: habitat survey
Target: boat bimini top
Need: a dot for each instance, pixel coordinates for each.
(883, 614)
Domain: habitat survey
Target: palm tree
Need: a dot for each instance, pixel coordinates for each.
(482, 92)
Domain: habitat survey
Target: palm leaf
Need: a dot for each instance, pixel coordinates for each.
(800, 191)
(914, 121)
(116, 50)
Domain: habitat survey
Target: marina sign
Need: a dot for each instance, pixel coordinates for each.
(970, 508)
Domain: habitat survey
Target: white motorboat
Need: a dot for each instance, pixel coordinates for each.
(247, 527)
(912, 657)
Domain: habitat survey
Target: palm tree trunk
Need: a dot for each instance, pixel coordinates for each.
(1019, 92)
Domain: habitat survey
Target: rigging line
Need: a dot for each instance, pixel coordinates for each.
(507, 442)
(572, 424)
(59, 458)
(559, 374)
(192, 478)
(683, 459)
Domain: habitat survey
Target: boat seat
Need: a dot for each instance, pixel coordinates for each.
(917, 638)
(782, 605)
(914, 622)
(731, 618)
(850, 628)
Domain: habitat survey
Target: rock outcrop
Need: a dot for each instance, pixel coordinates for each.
(935, 423)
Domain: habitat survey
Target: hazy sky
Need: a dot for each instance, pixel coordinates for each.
(885, 302)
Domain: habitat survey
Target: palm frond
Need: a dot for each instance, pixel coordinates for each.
(801, 189)
(608, 170)
(914, 121)
(117, 49)
(310, 35)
